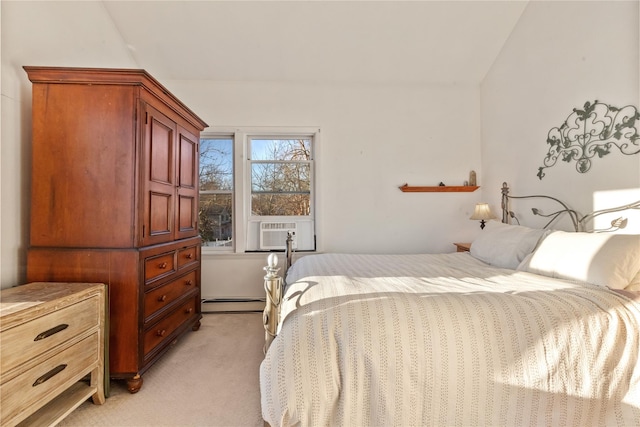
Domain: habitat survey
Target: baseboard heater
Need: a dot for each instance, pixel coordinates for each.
(213, 305)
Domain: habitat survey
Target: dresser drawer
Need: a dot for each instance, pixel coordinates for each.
(188, 256)
(35, 387)
(163, 329)
(44, 333)
(158, 298)
(159, 266)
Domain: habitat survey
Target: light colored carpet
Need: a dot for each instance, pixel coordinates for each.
(209, 378)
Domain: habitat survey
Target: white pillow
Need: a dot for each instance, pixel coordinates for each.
(504, 245)
(635, 283)
(601, 259)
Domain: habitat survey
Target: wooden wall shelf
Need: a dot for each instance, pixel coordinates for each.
(439, 189)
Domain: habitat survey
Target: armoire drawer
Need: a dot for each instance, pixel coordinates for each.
(32, 338)
(159, 266)
(163, 296)
(188, 256)
(164, 329)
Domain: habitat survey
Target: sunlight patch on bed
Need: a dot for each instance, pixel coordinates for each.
(564, 351)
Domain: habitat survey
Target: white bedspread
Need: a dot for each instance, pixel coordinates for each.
(416, 340)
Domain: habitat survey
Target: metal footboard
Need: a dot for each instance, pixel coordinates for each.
(274, 289)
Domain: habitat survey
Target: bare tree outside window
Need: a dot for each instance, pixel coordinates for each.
(281, 177)
(280, 171)
(216, 191)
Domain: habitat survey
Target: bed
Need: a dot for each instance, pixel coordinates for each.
(518, 331)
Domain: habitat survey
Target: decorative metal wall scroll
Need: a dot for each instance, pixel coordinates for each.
(592, 131)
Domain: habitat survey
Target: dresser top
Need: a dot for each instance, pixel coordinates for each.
(41, 295)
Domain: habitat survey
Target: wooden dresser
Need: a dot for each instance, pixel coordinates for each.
(52, 336)
(114, 199)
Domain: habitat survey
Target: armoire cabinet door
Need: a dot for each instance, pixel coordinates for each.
(158, 176)
(187, 192)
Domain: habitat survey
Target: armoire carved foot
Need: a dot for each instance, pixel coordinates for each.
(196, 326)
(134, 384)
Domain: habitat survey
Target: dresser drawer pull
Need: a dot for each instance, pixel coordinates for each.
(160, 332)
(188, 282)
(188, 310)
(162, 265)
(52, 373)
(188, 256)
(163, 298)
(52, 331)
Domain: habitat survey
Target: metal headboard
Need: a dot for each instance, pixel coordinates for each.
(579, 221)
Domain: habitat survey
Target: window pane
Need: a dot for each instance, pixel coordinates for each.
(280, 177)
(216, 221)
(281, 149)
(216, 164)
(280, 204)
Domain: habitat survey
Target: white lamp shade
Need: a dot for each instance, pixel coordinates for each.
(482, 212)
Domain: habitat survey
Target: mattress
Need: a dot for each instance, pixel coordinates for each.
(446, 339)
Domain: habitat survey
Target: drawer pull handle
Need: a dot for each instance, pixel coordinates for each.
(188, 282)
(162, 265)
(52, 331)
(189, 256)
(188, 310)
(160, 332)
(52, 373)
(163, 298)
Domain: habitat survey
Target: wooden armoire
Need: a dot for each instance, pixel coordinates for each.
(114, 199)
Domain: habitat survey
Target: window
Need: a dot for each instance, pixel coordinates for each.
(280, 176)
(216, 191)
(273, 172)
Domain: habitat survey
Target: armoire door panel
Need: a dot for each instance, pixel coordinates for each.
(161, 206)
(188, 153)
(158, 177)
(188, 177)
(161, 148)
(186, 211)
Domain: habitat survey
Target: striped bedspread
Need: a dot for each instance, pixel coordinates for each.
(417, 340)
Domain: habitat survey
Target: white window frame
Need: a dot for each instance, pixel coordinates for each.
(242, 177)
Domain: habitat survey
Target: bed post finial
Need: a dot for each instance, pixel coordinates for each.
(505, 203)
(273, 289)
(272, 262)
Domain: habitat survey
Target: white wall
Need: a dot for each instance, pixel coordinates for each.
(374, 139)
(560, 55)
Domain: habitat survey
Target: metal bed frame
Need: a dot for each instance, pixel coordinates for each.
(579, 221)
(274, 284)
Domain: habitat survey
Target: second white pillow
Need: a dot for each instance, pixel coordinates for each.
(504, 245)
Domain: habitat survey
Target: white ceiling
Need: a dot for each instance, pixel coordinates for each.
(316, 41)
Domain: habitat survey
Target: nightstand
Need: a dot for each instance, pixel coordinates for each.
(462, 247)
(53, 335)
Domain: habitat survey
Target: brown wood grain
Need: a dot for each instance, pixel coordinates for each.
(115, 199)
(439, 189)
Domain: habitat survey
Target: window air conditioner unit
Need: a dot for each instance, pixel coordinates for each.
(273, 235)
